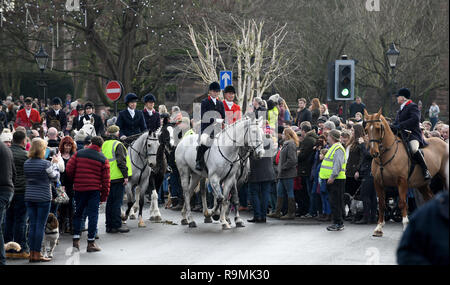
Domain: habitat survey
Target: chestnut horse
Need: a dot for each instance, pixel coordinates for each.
(391, 165)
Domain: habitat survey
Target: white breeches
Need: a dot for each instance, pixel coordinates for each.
(414, 146)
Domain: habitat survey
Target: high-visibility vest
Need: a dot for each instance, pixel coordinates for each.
(327, 164)
(188, 133)
(109, 150)
(272, 117)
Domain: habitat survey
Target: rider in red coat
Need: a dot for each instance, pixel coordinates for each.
(27, 116)
(232, 110)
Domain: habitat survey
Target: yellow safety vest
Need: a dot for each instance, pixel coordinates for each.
(272, 117)
(109, 150)
(326, 168)
(188, 133)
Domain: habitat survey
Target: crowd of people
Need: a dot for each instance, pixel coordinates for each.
(316, 158)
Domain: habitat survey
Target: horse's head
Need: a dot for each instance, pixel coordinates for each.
(255, 137)
(152, 148)
(53, 122)
(166, 136)
(376, 131)
(89, 128)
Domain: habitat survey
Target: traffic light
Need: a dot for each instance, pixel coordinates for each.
(344, 80)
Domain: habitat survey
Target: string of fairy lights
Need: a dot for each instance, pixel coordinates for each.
(30, 13)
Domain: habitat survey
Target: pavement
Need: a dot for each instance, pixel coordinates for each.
(296, 242)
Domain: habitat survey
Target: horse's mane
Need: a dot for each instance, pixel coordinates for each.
(230, 126)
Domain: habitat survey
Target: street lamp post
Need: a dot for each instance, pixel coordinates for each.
(392, 55)
(41, 58)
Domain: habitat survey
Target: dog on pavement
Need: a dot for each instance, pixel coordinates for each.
(51, 236)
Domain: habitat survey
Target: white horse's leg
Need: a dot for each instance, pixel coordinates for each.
(214, 181)
(225, 205)
(184, 177)
(155, 215)
(192, 185)
(134, 208)
(235, 199)
(206, 212)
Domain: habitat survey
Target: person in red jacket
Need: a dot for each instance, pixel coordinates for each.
(88, 169)
(27, 116)
(232, 110)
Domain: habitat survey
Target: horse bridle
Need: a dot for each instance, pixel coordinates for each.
(145, 151)
(380, 141)
(243, 158)
(382, 149)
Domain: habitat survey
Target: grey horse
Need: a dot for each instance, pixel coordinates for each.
(149, 164)
(221, 159)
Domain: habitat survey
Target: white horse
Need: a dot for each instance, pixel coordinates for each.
(222, 161)
(148, 166)
(88, 128)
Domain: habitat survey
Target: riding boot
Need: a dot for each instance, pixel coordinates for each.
(418, 157)
(277, 213)
(200, 164)
(291, 210)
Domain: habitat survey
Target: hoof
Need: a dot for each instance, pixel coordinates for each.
(156, 219)
(228, 221)
(124, 222)
(142, 224)
(377, 234)
(240, 225)
(216, 217)
(226, 227)
(132, 217)
(184, 222)
(208, 220)
(192, 225)
(124, 218)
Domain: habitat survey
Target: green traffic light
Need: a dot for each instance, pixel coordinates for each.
(345, 92)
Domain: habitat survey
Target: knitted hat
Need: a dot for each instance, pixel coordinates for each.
(113, 129)
(186, 121)
(6, 135)
(335, 134)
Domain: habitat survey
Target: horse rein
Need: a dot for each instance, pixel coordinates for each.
(241, 159)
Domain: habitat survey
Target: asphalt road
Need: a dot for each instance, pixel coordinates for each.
(298, 242)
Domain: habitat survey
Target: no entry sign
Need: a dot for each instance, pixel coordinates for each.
(114, 90)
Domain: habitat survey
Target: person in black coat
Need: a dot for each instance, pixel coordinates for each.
(56, 113)
(303, 113)
(131, 121)
(408, 119)
(212, 110)
(98, 123)
(152, 118)
(425, 240)
(78, 123)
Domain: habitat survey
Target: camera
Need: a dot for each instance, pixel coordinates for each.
(53, 152)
